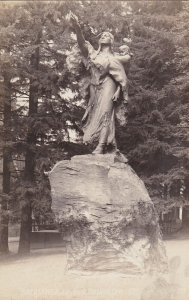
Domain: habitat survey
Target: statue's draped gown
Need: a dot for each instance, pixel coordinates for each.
(106, 74)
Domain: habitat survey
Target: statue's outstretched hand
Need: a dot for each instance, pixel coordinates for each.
(73, 19)
(75, 26)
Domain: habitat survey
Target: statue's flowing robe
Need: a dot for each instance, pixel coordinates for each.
(106, 74)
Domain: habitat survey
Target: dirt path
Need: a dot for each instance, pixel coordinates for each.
(43, 276)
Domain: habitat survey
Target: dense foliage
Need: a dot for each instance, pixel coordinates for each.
(156, 136)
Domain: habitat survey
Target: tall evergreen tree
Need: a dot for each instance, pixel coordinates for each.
(7, 71)
(155, 139)
(6, 156)
(38, 56)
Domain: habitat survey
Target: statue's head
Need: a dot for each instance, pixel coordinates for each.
(106, 38)
(124, 49)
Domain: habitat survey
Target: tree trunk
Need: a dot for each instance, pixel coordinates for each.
(29, 174)
(4, 218)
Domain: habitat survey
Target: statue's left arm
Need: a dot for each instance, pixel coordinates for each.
(117, 71)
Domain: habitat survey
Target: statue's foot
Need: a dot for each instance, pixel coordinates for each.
(99, 149)
(112, 148)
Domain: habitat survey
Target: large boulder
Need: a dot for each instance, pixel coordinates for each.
(106, 215)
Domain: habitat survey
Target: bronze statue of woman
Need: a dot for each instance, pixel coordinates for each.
(108, 79)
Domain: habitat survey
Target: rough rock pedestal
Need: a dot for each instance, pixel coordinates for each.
(106, 215)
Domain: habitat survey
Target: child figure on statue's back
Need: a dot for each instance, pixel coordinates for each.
(124, 51)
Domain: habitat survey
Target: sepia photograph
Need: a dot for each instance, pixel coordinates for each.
(94, 150)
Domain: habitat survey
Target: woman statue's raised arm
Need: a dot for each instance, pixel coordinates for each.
(80, 38)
